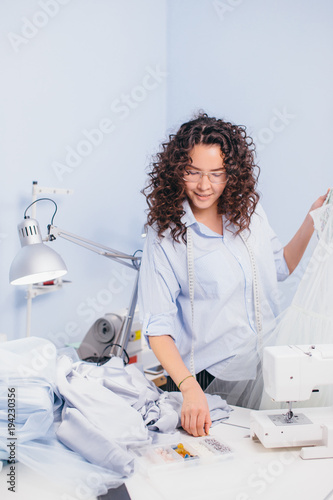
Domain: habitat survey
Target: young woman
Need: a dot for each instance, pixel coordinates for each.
(211, 262)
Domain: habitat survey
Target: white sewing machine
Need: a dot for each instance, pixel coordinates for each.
(290, 374)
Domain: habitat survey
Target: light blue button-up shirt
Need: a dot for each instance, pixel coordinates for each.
(224, 314)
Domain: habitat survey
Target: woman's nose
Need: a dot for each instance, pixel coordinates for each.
(204, 182)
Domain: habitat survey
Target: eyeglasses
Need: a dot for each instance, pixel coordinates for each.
(219, 177)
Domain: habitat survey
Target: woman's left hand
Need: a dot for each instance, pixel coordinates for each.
(319, 203)
(294, 250)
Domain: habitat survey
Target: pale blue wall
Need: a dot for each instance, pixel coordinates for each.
(246, 61)
(58, 80)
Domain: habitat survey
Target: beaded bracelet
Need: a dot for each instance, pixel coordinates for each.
(180, 383)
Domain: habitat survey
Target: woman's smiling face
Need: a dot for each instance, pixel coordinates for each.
(204, 194)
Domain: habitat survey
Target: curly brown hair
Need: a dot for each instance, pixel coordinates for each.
(165, 191)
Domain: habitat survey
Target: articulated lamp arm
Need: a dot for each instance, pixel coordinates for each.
(128, 260)
(122, 258)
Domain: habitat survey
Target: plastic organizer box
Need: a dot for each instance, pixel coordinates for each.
(202, 449)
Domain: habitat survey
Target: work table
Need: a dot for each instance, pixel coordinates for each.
(252, 472)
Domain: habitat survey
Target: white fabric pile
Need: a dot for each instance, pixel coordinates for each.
(77, 422)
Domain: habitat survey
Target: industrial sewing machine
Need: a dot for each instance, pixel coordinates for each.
(290, 374)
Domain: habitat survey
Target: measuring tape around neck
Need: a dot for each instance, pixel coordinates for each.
(256, 294)
(190, 273)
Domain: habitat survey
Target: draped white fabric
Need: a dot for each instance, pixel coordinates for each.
(76, 422)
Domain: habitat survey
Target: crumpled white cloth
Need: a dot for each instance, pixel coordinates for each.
(96, 422)
(29, 366)
(164, 414)
(117, 405)
(78, 421)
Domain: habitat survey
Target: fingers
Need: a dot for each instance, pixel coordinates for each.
(320, 201)
(199, 424)
(207, 425)
(195, 416)
(196, 427)
(196, 423)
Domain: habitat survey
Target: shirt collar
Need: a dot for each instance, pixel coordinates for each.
(188, 218)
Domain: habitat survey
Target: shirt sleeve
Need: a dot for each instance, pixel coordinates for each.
(282, 271)
(158, 290)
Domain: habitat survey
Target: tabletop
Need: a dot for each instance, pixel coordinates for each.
(250, 472)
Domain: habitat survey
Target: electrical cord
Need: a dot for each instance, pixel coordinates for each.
(42, 199)
(136, 263)
(101, 360)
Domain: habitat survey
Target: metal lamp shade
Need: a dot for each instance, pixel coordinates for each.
(35, 262)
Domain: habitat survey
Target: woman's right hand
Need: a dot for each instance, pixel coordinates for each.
(195, 416)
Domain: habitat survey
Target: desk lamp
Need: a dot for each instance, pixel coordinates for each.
(36, 263)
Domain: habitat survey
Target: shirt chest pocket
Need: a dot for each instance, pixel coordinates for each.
(216, 275)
